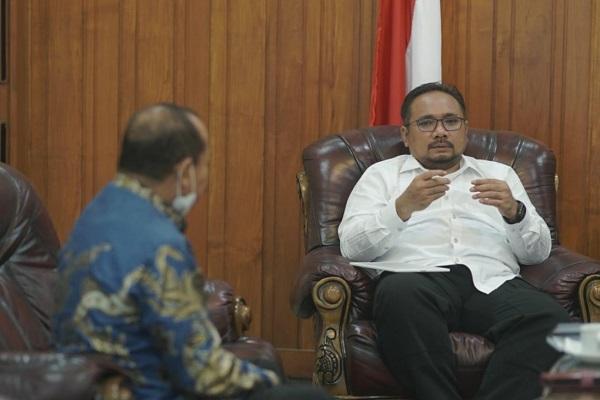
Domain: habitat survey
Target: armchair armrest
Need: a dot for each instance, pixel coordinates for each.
(229, 313)
(328, 285)
(572, 278)
(326, 262)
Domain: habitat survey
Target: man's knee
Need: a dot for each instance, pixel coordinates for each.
(544, 319)
(555, 315)
(551, 311)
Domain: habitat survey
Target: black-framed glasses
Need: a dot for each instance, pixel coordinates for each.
(430, 124)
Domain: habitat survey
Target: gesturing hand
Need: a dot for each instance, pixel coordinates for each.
(422, 191)
(495, 192)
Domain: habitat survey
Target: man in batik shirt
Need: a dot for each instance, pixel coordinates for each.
(130, 286)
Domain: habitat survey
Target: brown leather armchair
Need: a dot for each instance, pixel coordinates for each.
(339, 296)
(29, 368)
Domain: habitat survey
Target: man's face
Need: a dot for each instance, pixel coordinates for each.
(440, 149)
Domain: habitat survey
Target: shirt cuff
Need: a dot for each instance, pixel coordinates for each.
(521, 226)
(390, 219)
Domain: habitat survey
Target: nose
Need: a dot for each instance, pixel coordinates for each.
(439, 130)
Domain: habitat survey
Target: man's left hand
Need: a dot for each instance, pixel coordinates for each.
(495, 192)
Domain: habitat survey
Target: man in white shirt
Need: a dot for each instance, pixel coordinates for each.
(438, 207)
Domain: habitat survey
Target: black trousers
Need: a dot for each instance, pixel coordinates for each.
(415, 311)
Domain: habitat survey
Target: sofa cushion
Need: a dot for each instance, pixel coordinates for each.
(368, 375)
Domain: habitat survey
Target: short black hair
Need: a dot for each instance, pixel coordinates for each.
(157, 138)
(426, 88)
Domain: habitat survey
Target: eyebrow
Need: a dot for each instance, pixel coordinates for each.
(443, 116)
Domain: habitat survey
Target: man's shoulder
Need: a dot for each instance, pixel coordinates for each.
(119, 206)
(127, 221)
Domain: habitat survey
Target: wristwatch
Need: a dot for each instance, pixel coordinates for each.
(521, 209)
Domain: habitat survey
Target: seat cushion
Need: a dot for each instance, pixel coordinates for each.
(367, 374)
(49, 376)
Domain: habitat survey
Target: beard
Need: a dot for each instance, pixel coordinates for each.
(445, 163)
(444, 160)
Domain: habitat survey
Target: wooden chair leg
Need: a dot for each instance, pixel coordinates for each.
(331, 297)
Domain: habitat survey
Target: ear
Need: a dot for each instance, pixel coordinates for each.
(182, 165)
(404, 134)
(181, 169)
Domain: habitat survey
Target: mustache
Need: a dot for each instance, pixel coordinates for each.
(440, 143)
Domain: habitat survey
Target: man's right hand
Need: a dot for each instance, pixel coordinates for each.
(422, 191)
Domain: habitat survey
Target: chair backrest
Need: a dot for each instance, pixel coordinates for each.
(333, 165)
(28, 250)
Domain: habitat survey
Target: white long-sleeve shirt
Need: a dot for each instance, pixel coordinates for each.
(454, 229)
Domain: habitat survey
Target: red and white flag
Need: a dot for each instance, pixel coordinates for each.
(408, 53)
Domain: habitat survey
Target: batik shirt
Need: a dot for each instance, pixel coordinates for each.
(129, 287)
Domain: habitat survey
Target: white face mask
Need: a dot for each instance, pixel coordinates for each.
(183, 204)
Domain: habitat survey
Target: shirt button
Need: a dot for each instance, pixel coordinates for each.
(453, 216)
(446, 197)
(455, 240)
(457, 260)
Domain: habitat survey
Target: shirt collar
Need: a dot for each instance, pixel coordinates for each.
(466, 163)
(470, 162)
(133, 185)
(411, 164)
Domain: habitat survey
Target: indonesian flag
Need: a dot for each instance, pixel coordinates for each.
(408, 53)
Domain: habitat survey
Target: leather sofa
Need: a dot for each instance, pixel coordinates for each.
(339, 296)
(29, 368)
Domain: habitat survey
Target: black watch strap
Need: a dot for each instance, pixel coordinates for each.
(521, 210)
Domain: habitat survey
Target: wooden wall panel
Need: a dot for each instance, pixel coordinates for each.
(284, 138)
(127, 59)
(575, 168)
(593, 181)
(317, 51)
(478, 62)
(64, 117)
(194, 87)
(4, 25)
(4, 88)
(217, 115)
(19, 85)
(154, 73)
(501, 65)
(101, 123)
(527, 66)
(35, 140)
(530, 67)
(557, 83)
(268, 77)
(246, 44)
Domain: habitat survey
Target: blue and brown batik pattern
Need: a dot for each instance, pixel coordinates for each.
(129, 287)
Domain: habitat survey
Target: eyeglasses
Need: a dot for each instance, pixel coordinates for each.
(450, 123)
